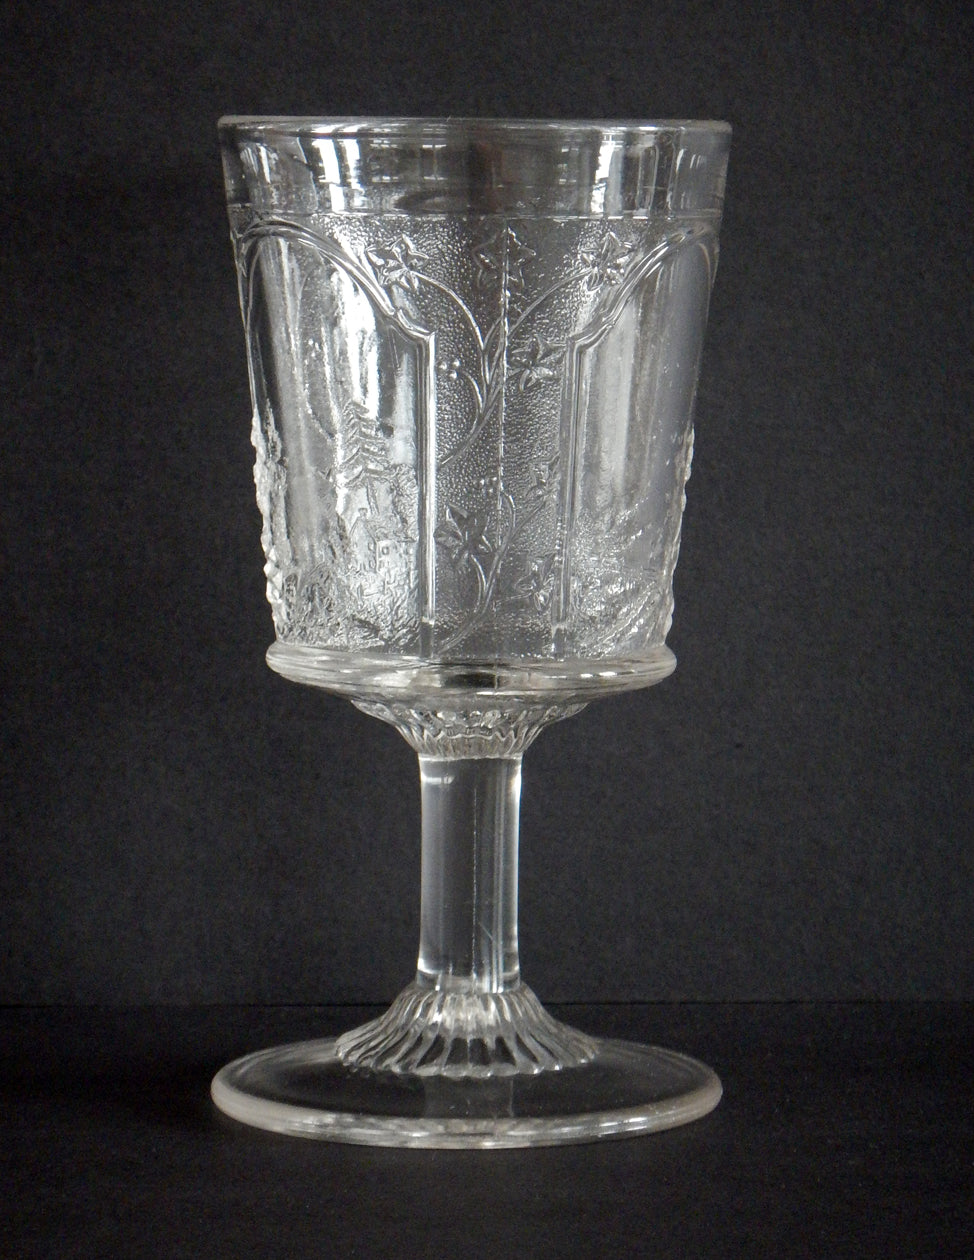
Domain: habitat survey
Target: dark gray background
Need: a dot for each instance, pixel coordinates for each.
(789, 816)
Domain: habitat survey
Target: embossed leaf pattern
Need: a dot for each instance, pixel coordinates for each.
(490, 313)
(463, 536)
(490, 260)
(537, 362)
(397, 263)
(535, 586)
(544, 474)
(607, 263)
(544, 480)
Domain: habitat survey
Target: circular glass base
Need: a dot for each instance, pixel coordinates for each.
(307, 1090)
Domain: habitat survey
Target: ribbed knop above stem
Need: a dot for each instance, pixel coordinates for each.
(461, 733)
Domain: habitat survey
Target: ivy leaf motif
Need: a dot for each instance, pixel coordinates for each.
(544, 479)
(607, 263)
(538, 362)
(462, 534)
(397, 263)
(490, 260)
(535, 586)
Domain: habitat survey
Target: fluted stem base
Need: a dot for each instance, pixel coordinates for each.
(461, 1034)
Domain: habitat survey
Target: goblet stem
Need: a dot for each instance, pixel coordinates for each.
(466, 1055)
(468, 1014)
(468, 920)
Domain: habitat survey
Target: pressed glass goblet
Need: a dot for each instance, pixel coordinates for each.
(473, 349)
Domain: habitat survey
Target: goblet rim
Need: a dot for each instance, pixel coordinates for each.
(395, 125)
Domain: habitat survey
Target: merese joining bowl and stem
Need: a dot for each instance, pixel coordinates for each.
(473, 349)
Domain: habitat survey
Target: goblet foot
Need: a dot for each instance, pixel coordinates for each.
(457, 1033)
(443, 1069)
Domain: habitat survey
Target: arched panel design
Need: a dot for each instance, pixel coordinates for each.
(344, 409)
(626, 443)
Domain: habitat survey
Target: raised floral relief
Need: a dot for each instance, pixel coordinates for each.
(543, 479)
(534, 587)
(500, 535)
(536, 363)
(607, 262)
(397, 263)
(463, 537)
(501, 261)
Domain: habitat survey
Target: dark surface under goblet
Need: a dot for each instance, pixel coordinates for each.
(845, 1130)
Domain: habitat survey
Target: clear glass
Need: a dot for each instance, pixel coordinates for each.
(473, 349)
